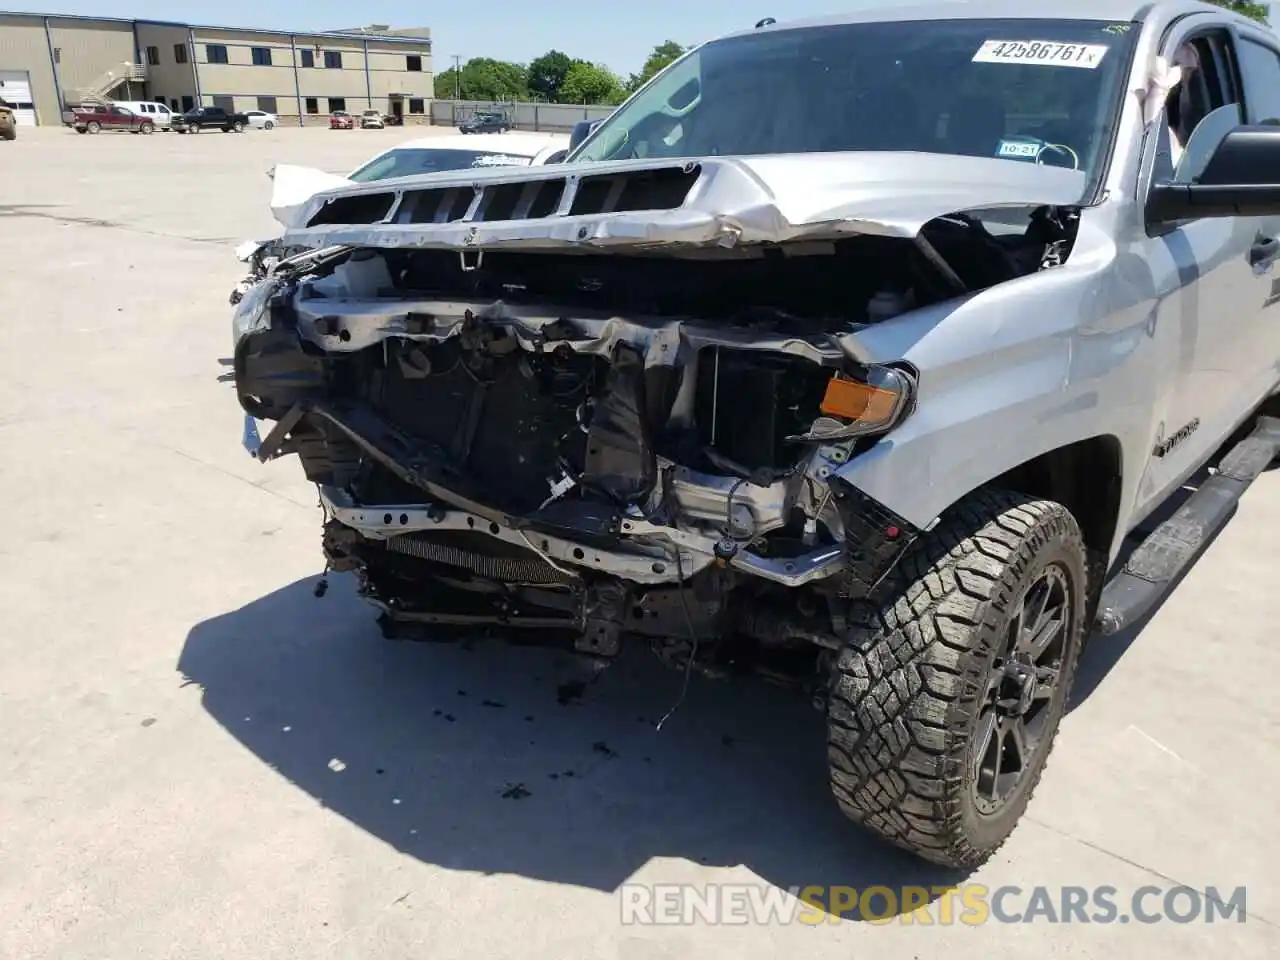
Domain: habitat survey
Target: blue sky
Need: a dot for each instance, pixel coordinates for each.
(620, 35)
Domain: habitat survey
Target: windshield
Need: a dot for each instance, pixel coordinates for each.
(1029, 91)
(409, 161)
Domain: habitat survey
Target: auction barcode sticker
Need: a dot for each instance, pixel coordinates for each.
(1044, 53)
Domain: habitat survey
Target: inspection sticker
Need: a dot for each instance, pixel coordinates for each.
(1019, 150)
(1043, 53)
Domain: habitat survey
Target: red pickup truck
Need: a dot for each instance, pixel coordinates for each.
(103, 117)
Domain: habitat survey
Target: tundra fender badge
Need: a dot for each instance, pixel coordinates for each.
(1166, 447)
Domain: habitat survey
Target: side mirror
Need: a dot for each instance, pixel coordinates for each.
(1240, 179)
(581, 130)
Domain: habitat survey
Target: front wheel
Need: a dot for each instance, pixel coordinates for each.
(269, 125)
(945, 703)
(93, 126)
(237, 127)
(147, 129)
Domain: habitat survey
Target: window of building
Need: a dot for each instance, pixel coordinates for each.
(308, 58)
(333, 59)
(261, 56)
(57, 54)
(313, 105)
(179, 53)
(416, 105)
(337, 103)
(162, 100)
(226, 103)
(173, 103)
(267, 104)
(153, 56)
(188, 103)
(413, 64)
(215, 53)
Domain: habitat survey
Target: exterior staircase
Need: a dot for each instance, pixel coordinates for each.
(109, 82)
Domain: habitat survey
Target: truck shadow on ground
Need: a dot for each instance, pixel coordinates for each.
(494, 758)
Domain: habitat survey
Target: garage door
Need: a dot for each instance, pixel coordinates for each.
(15, 88)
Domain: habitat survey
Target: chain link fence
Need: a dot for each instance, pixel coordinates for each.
(537, 116)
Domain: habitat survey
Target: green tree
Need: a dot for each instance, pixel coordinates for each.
(547, 73)
(663, 54)
(1256, 10)
(446, 84)
(591, 83)
(483, 78)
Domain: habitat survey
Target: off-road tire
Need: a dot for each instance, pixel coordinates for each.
(907, 693)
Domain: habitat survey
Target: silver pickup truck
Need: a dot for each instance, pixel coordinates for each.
(848, 351)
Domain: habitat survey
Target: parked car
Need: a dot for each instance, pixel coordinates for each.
(880, 399)
(341, 120)
(485, 121)
(112, 118)
(8, 122)
(210, 118)
(372, 120)
(261, 120)
(443, 153)
(153, 110)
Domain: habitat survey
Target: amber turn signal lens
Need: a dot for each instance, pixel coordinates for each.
(851, 400)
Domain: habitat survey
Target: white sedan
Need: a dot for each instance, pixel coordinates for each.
(261, 120)
(294, 186)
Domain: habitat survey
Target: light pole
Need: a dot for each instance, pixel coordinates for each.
(457, 77)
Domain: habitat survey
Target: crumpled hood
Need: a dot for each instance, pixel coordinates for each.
(294, 188)
(734, 200)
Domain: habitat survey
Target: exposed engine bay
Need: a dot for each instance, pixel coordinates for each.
(608, 444)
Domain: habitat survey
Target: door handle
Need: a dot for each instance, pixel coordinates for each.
(1264, 252)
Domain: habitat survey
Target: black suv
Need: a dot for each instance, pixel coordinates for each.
(487, 122)
(210, 118)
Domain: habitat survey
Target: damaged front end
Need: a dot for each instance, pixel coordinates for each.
(641, 441)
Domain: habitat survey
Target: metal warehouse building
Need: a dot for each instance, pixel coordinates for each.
(48, 62)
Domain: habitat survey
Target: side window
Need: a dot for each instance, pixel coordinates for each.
(1260, 66)
(1207, 86)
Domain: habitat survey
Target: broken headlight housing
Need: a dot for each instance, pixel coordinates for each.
(253, 312)
(864, 401)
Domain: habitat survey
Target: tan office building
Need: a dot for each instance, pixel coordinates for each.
(48, 62)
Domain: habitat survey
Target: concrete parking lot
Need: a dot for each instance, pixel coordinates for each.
(200, 759)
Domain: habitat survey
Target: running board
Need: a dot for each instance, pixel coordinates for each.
(1169, 549)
